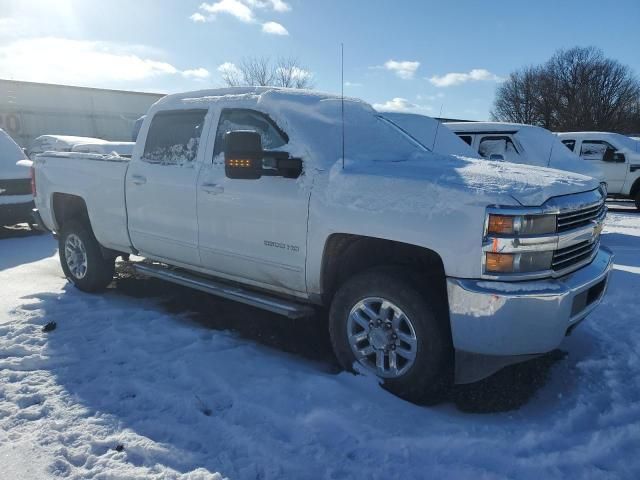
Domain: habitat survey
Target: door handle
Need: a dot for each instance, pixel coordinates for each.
(212, 188)
(139, 179)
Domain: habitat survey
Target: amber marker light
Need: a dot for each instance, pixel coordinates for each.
(499, 262)
(500, 224)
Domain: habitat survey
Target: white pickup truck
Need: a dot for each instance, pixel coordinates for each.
(434, 268)
(617, 155)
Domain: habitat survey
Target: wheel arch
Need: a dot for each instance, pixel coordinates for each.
(346, 255)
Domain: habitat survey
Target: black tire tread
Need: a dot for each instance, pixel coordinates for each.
(100, 270)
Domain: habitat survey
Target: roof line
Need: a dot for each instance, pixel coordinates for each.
(57, 85)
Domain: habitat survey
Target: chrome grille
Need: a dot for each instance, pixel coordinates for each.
(580, 217)
(564, 258)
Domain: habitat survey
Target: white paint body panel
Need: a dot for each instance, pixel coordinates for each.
(620, 176)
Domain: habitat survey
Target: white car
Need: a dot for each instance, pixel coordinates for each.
(122, 149)
(432, 267)
(16, 201)
(517, 143)
(58, 143)
(617, 155)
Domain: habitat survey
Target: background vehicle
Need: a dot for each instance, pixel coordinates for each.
(517, 143)
(59, 143)
(123, 149)
(617, 155)
(431, 133)
(433, 267)
(16, 201)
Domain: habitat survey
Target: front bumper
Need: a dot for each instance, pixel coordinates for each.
(494, 318)
(12, 213)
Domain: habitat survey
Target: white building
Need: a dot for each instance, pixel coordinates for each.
(28, 110)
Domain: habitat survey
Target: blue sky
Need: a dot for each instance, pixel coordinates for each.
(418, 56)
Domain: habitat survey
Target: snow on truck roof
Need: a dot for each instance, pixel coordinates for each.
(487, 126)
(260, 94)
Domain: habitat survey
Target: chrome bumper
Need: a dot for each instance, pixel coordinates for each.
(524, 318)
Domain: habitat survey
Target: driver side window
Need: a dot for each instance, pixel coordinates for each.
(244, 119)
(594, 149)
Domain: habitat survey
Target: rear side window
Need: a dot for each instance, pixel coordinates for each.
(466, 139)
(498, 145)
(570, 144)
(243, 119)
(594, 149)
(174, 137)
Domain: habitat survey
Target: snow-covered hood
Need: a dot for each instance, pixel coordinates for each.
(499, 183)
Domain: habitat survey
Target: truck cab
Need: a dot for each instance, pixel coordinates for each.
(617, 155)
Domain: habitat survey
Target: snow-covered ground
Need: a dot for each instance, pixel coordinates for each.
(148, 381)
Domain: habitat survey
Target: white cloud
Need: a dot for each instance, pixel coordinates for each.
(352, 84)
(475, 75)
(276, 5)
(404, 69)
(229, 67)
(397, 104)
(196, 73)
(296, 73)
(274, 28)
(234, 8)
(60, 60)
(243, 10)
(198, 18)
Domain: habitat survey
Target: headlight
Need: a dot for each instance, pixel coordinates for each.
(519, 243)
(521, 224)
(518, 262)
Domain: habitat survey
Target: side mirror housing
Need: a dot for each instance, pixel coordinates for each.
(243, 155)
(619, 157)
(609, 155)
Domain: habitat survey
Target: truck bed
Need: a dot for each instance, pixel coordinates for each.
(98, 180)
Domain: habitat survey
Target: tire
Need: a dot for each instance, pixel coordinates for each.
(424, 378)
(637, 200)
(97, 272)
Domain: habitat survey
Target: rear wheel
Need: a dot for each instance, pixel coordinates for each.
(382, 324)
(637, 200)
(81, 258)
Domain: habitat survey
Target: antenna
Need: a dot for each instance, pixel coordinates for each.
(437, 127)
(342, 96)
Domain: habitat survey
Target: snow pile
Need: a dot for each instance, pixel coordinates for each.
(124, 389)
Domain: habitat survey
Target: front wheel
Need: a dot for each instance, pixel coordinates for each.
(637, 200)
(381, 323)
(81, 258)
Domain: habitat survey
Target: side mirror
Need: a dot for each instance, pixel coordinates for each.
(243, 155)
(497, 157)
(609, 155)
(619, 157)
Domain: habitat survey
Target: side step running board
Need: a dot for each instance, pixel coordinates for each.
(260, 300)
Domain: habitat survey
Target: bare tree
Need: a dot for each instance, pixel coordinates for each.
(577, 89)
(262, 71)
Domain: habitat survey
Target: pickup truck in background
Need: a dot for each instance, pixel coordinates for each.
(434, 268)
(617, 155)
(518, 143)
(16, 201)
